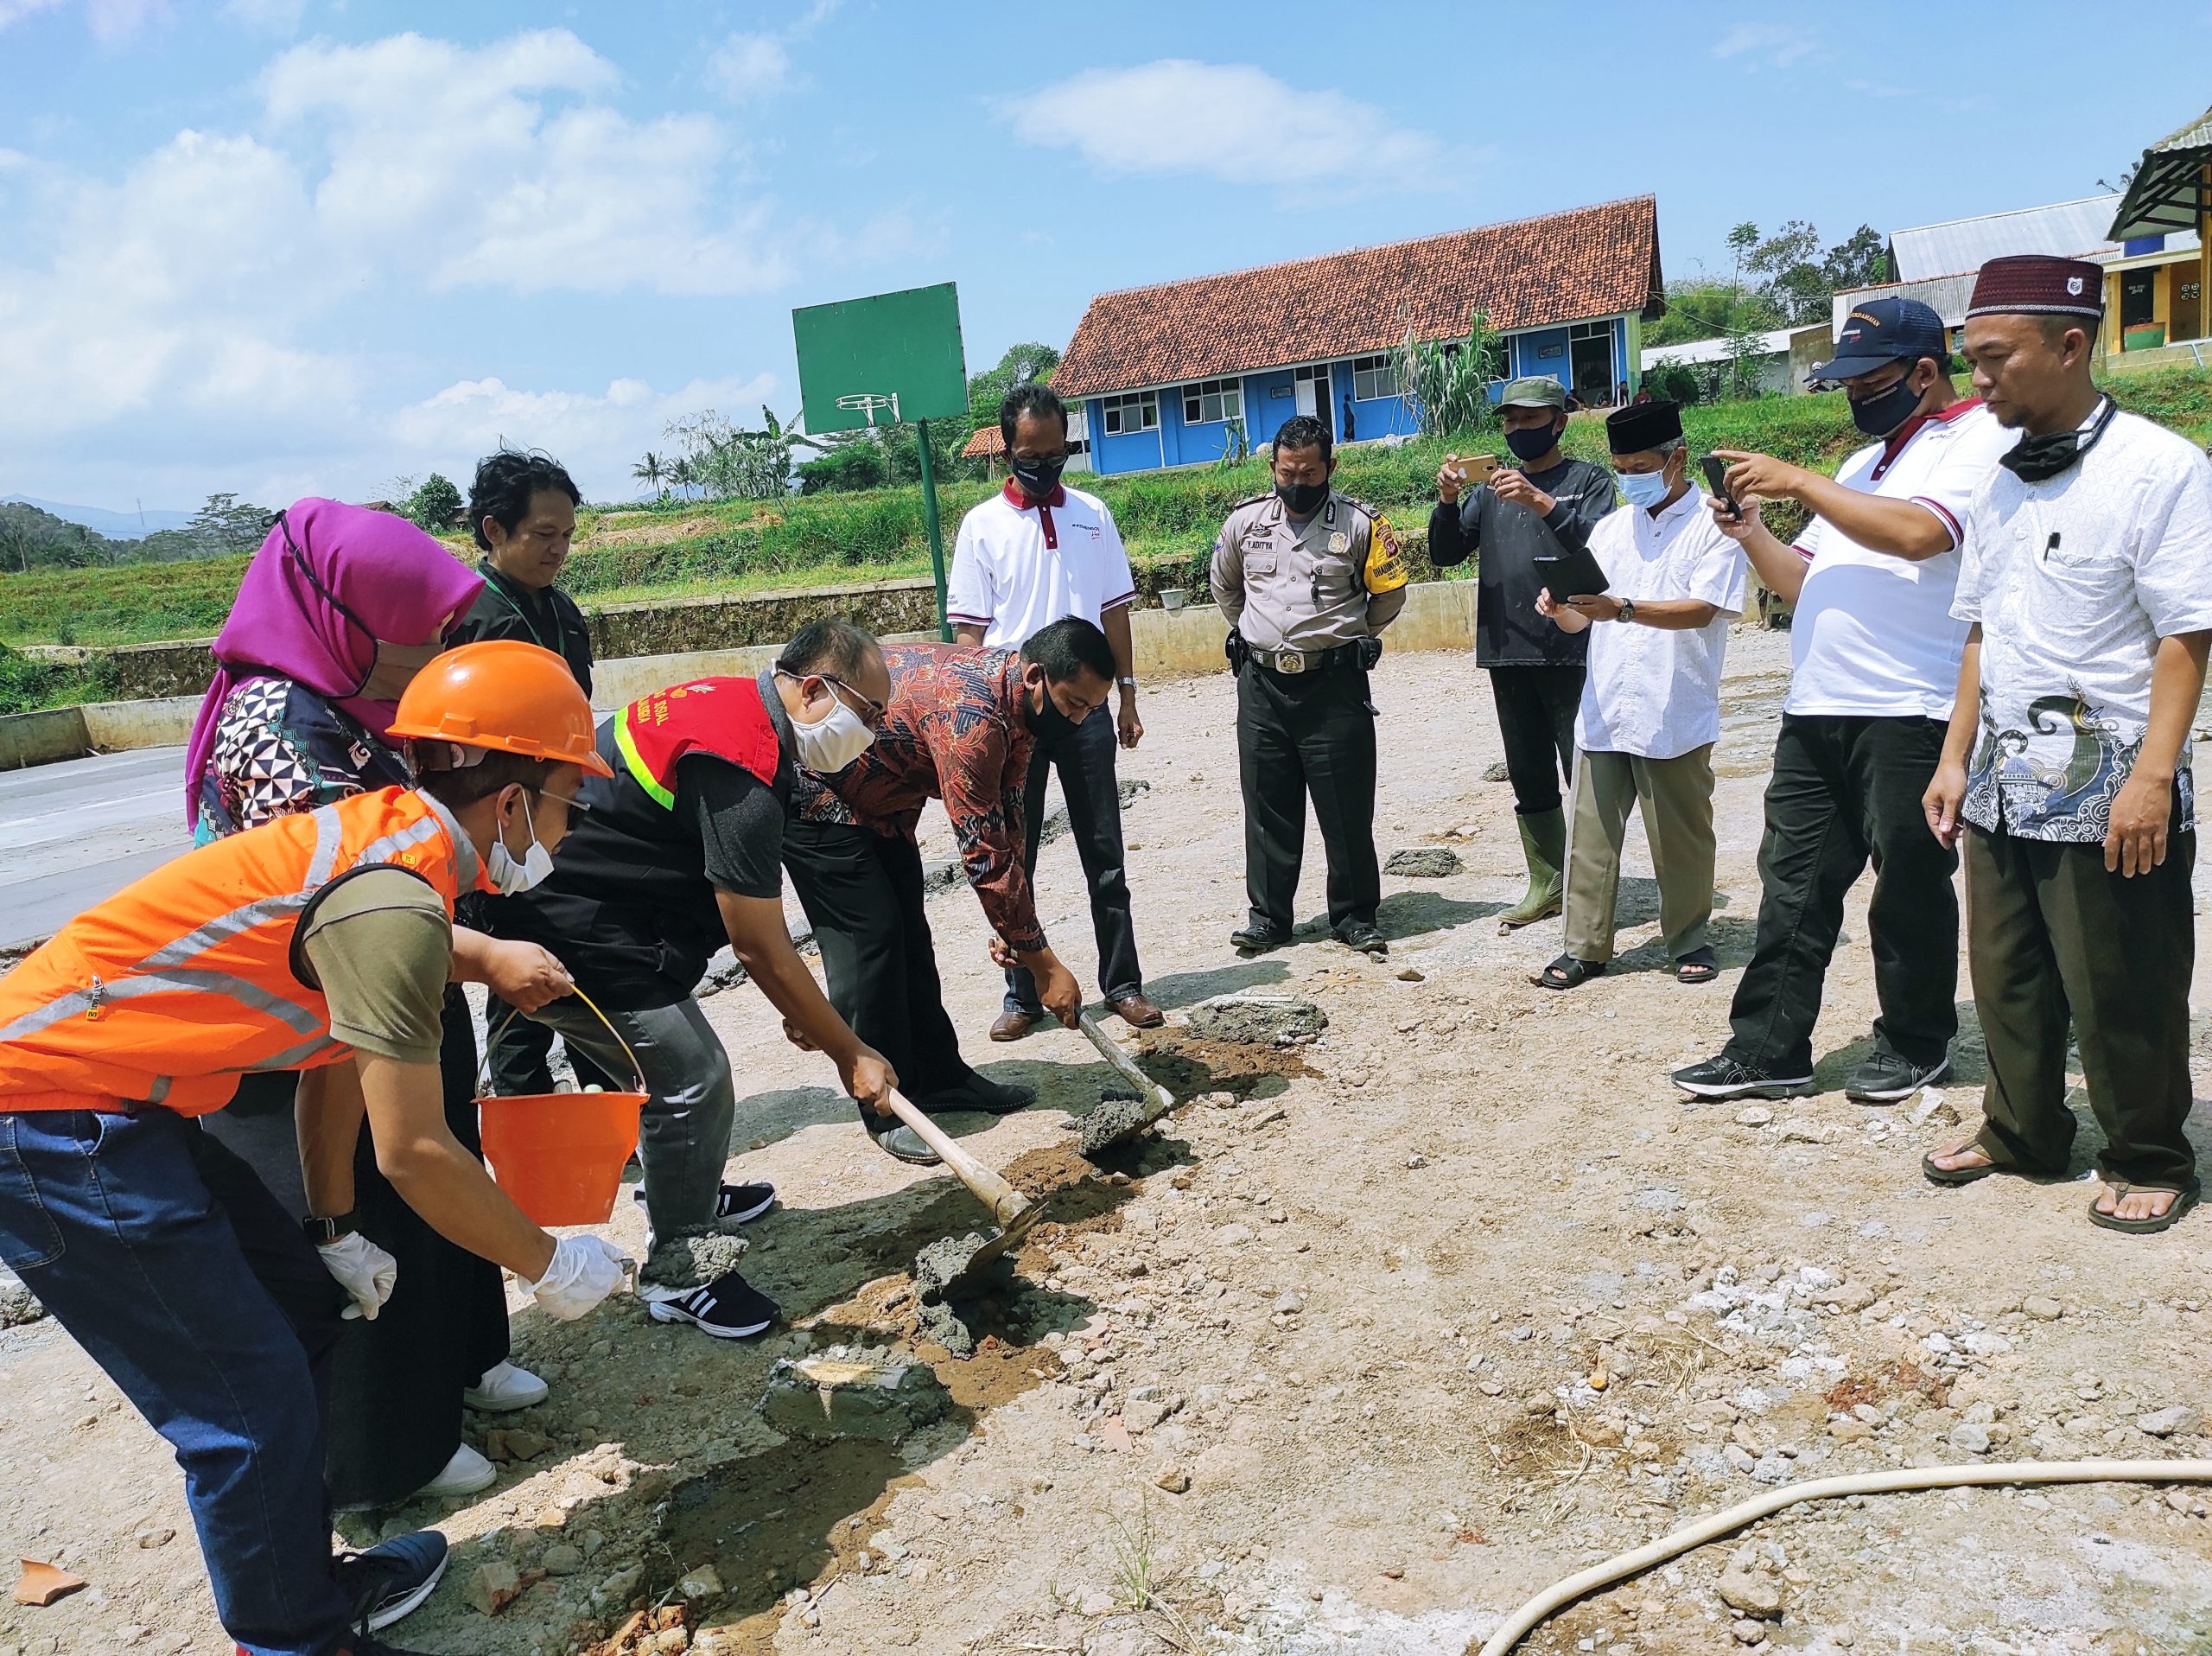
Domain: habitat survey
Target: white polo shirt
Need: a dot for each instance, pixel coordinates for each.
(1655, 692)
(1017, 567)
(1874, 634)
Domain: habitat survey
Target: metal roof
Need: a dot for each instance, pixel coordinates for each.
(1692, 351)
(2073, 229)
(2168, 193)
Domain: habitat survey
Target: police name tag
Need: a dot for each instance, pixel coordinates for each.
(1339, 542)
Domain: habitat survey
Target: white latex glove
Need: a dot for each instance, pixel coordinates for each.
(363, 1270)
(585, 1271)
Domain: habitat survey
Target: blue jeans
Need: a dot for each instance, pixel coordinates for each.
(165, 1260)
(1084, 756)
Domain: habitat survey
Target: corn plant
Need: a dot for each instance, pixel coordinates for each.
(1448, 381)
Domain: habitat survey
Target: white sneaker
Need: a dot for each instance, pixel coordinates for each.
(466, 1474)
(505, 1389)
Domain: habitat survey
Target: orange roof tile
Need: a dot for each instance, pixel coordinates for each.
(988, 440)
(1592, 261)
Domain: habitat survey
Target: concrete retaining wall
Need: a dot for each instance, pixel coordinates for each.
(1182, 644)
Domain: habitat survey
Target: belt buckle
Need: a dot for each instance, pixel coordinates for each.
(1290, 662)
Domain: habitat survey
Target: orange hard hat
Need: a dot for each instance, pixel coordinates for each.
(505, 695)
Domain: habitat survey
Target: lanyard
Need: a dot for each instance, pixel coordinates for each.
(497, 582)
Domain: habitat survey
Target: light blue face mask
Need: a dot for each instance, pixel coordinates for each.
(1643, 489)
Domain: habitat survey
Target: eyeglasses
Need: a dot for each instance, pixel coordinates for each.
(576, 807)
(874, 711)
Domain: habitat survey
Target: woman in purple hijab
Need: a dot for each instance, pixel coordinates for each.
(340, 609)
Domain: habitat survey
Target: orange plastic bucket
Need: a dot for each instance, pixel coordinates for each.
(560, 1155)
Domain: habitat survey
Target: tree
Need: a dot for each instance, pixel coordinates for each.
(1742, 238)
(1707, 308)
(652, 473)
(226, 525)
(1448, 381)
(1859, 260)
(683, 475)
(434, 506)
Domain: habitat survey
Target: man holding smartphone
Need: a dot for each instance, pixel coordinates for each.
(1874, 664)
(1544, 505)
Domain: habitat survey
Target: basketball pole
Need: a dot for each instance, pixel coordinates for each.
(936, 530)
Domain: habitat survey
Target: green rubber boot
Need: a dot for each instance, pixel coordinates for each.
(1543, 842)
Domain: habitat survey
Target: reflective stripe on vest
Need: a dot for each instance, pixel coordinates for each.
(726, 718)
(84, 1014)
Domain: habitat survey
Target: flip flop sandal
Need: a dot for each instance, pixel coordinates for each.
(1567, 973)
(1698, 967)
(2183, 1200)
(1960, 1175)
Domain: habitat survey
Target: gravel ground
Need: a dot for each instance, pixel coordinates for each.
(1379, 1334)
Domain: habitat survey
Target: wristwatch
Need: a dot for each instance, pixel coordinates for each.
(1127, 683)
(324, 1231)
(1628, 610)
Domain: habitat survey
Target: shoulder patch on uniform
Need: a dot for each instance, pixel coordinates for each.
(1252, 500)
(1386, 568)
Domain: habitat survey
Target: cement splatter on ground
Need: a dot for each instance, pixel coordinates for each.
(693, 1259)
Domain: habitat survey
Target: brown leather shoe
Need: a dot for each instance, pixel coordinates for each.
(1013, 1025)
(1137, 1012)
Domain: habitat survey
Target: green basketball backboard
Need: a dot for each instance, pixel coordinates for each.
(879, 360)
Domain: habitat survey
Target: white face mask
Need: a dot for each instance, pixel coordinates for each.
(834, 740)
(508, 876)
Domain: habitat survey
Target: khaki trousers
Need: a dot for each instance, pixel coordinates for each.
(1676, 796)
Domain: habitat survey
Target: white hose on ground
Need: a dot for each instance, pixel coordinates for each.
(1525, 1620)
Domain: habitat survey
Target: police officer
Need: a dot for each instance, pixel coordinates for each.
(1307, 578)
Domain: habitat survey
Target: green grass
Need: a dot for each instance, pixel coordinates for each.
(676, 548)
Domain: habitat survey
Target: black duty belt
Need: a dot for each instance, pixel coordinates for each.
(1290, 663)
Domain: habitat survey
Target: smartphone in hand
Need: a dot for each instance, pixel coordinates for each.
(1716, 476)
(1473, 470)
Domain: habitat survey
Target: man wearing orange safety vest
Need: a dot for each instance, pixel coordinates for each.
(321, 943)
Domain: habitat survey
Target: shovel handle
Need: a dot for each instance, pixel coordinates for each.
(1006, 1203)
(1125, 1066)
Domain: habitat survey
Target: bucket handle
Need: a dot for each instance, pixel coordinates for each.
(484, 1067)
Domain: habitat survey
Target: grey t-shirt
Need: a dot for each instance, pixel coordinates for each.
(1509, 633)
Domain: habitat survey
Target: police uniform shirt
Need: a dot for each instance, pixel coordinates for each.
(1334, 580)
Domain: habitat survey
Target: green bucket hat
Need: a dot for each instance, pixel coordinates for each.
(1537, 391)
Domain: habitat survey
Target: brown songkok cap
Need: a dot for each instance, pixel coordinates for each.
(2038, 284)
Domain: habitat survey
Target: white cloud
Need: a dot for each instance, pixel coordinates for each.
(1179, 116)
(461, 152)
(746, 66)
(1771, 46)
(598, 436)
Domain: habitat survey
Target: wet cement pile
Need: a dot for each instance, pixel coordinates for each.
(691, 1259)
(936, 1269)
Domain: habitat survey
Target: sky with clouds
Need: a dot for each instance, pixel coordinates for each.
(292, 247)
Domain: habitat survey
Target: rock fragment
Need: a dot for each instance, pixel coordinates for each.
(1256, 1020)
(1424, 863)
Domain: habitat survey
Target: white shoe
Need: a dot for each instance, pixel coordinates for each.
(504, 1389)
(466, 1474)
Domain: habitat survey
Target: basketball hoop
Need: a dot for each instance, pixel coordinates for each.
(869, 401)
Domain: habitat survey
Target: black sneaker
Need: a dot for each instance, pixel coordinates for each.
(1724, 1077)
(979, 1093)
(729, 1308)
(392, 1578)
(1361, 935)
(1256, 940)
(1884, 1078)
(738, 1201)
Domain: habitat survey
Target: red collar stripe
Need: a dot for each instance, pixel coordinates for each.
(1021, 502)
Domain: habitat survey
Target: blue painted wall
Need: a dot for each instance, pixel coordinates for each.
(1139, 452)
(1269, 399)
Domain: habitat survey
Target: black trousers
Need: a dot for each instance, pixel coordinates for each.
(1847, 790)
(2054, 936)
(1083, 756)
(1300, 734)
(1535, 715)
(394, 1383)
(521, 1051)
(863, 895)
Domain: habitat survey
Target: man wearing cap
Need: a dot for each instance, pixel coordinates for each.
(1542, 507)
(1651, 702)
(2087, 586)
(1874, 655)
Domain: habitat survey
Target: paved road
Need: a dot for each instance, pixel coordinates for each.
(73, 833)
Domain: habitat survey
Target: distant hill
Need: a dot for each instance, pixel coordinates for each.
(112, 526)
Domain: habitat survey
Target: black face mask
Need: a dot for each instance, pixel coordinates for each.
(1301, 499)
(2037, 460)
(1886, 410)
(1532, 442)
(1046, 716)
(1039, 477)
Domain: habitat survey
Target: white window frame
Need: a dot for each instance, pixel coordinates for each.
(1226, 396)
(1373, 372)
(1112, 411)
